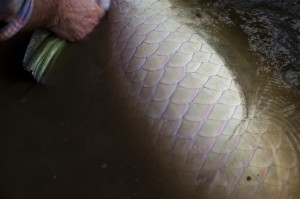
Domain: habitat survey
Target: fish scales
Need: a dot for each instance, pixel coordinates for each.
(194, 110)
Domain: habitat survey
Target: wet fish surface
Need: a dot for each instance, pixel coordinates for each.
(195, 116)
(55, 142)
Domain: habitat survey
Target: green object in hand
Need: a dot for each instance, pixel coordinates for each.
(41, 51)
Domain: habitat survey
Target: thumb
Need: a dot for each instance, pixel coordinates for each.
(100, 11)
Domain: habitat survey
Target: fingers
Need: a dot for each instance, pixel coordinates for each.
(77, 19)
(104, 4)
(100, 12)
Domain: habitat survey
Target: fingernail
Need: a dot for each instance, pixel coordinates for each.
(104, 4)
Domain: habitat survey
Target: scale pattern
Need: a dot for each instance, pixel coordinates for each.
(194, 110)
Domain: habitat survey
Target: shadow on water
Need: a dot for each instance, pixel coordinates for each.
(68, 138)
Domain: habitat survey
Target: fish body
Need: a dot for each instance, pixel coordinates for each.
(194, 111)
(194, 114)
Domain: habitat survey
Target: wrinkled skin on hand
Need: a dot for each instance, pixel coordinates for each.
(76, 19)
(72, 20)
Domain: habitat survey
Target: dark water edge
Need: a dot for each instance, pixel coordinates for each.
(270, 27)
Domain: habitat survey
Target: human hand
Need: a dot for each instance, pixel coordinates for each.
(75, 19)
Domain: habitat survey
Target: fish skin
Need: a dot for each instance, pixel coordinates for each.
(194, 109)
